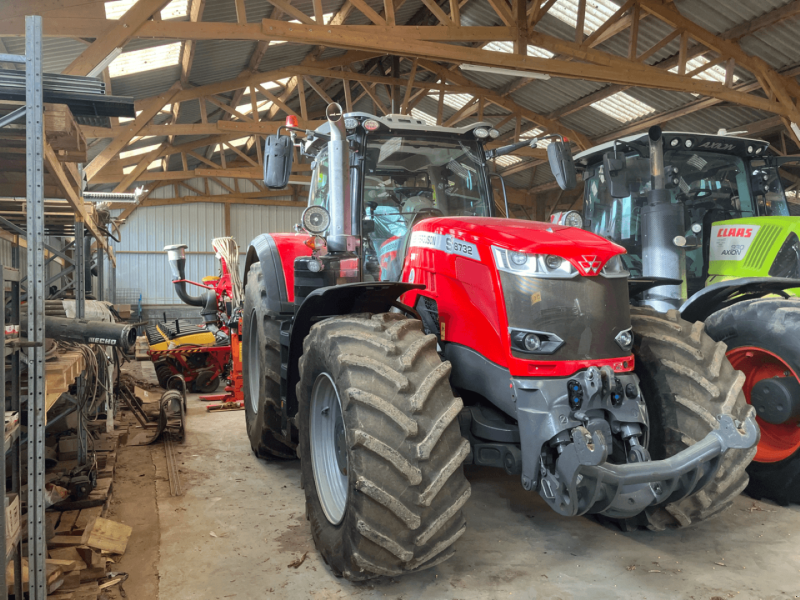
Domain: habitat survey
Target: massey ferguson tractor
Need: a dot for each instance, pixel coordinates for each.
(406, 330)
(710, 212)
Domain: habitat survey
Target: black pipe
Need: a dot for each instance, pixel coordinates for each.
(87, 332)
(207, 300)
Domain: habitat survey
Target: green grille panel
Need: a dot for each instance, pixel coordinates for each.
(757, 253)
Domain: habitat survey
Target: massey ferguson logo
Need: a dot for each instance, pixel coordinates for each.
(589, 265)
(730, 232)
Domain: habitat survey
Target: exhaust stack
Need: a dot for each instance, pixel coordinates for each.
(176, 255)
(340, 236)
(662, 223)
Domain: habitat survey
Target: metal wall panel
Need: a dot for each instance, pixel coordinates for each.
(142, 265)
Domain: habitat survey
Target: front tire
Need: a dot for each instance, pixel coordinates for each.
(387, 499)
(687, 382)
(763, 339)
(261, 368)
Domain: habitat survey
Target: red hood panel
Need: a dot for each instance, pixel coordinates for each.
(579, 247)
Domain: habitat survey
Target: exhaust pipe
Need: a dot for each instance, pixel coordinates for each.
(662, 223)
(340, 237)
(176, 255)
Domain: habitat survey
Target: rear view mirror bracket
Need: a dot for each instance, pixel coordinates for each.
(616, 173)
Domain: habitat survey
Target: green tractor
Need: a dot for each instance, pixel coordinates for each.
(707, 217)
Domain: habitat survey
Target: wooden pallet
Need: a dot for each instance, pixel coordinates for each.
(61, 373)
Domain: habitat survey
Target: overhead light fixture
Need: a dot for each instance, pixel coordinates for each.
(500, 71)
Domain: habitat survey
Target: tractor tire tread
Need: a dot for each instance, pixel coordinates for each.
(404, 511)
(685, 392)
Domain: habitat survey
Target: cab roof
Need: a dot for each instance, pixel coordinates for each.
(701, 142)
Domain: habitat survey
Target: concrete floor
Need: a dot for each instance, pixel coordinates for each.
(241, 522)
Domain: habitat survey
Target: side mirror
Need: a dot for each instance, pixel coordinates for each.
(562, 165)
(278, 156)
(616, 174)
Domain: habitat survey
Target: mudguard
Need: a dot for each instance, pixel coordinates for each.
(372, 297)
(727, 293)
(276, 253)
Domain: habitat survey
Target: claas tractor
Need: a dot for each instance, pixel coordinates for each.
(405, 330)
(710, 212)
(201, 354)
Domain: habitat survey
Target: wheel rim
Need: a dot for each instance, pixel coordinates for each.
(328, 448)
(253, 370)
(778, 442)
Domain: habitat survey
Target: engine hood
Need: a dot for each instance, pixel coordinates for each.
(529, 237)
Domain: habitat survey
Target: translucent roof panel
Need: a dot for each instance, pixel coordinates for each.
(138, 151)
(507, 160)
(597, 13)
(532, 133)
(508, 48)
(174, 10)
(715, 73)
(623, 107)
(146, 59)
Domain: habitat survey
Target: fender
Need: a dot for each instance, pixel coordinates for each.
(276, 253)
(372, 297)
(727, 293)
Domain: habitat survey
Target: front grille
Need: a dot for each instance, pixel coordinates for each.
(758, 252)
(586, 312)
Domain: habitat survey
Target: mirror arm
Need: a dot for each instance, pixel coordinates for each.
(503, 187)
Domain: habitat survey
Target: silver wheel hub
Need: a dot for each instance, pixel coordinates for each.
(328, 448)
(253, 362)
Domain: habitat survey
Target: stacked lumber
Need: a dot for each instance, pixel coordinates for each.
(81, 543)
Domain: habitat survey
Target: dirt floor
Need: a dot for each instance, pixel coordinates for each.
(240, 524)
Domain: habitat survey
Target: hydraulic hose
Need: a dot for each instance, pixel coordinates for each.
(82, 331)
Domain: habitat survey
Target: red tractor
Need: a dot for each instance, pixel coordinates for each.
(408, 331)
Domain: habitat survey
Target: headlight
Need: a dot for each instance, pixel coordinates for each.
(481, 133)
(573, 219)
(787, 261)
(615, 268)
(493, 133)
(625, 339)
(532, 265)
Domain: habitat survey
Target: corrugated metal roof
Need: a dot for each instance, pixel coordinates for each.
(217, 60)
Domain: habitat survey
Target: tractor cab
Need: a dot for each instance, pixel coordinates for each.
(715, 178)
(402, 172)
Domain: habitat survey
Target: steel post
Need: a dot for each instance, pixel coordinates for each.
(100, 274)
(34, 132)
(80, 272)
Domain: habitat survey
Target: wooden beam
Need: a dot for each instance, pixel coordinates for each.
(633, 42)
(368, 88)
(442, 16)
(241, 12)
(286, 6)
(768, 19)
(640, 75)
(501, 8)
(455, 12)
(129, 131)
(368, 12)
(116, 37)
(144, 163)
(581, 19)
(411, 77)
(72, 197)
(220, 199)
(319, 90)
(609, 23)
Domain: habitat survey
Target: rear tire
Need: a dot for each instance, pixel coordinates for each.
(163, 373)
(772, 325)
(399, 494)
(687, 382)
(261, 368)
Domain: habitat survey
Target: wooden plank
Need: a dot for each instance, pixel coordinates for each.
(124, 29)
(67, 523)
(68, 554)
(104, 534)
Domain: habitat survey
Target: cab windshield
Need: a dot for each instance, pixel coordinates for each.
(410, 178)
(713, 187)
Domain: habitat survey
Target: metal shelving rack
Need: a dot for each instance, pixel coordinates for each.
(34, 346)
